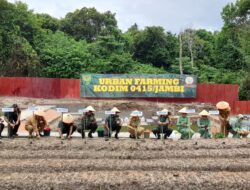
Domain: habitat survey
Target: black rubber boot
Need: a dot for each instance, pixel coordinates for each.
(158, 136)
(116, 136)
(165, 136)
(90, 135)
(83, 135)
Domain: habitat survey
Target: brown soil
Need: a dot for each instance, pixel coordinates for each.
(50, 163)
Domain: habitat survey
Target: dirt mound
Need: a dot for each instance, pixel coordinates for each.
(50, 163)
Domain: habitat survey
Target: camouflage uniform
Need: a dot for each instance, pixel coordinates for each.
(163, 128)
(204, 125)
(113, 123)
(89, 123)
(183, 124)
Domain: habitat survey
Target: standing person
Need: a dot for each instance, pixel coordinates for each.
(184, 124)
(36, 123)
(88, 122)
(204, 124)
(113, 122)
(134, 126)
(14, 120)
(163, 124)
(66, 126)
(224, 115)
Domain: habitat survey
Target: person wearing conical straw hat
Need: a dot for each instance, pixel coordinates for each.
(88, 122)
(184, 124)
(36, 123)
(134, 128)
(66, 126)
(224, 116)
(204, 124)
(163, 123)
(236, 127)
(113, 122)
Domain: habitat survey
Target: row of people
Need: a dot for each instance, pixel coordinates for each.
(37, 123)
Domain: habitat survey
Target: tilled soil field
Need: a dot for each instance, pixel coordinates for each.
(50, 163)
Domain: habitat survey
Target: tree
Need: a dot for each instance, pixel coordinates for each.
(88, 23)
(17, 56)
(155, 47)
(48, 22)
(62, 57)
(111, 55)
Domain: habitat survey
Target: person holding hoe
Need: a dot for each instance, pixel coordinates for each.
(184, 124)
(204, 125)
(112, 123)
(88, 122)
(163, 125)
(66, 126)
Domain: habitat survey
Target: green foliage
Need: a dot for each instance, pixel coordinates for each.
(48, 22)
(89, 41)
(187, 68)
(88, 23)
(245, 87)
(62, 56)
(219, 136)
(139, 68)
(154, 46)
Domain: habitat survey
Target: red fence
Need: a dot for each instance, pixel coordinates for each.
(39, 87)
(242, 107)
(70, 88)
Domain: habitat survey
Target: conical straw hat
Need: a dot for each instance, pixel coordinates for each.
(134, 113)
(40, 113)
(183, 110)
(90, 108)
(115, 109)
(204, 113)
(68, 118)
(165, 110)
(222, 105)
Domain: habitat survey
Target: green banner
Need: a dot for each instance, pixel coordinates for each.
(138, 85)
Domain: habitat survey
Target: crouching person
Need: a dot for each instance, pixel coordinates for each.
(88, 122)
(36, 123)
(184, 124)
(66, 126)
(112, 123)
(204, 125)
(236, 127)
(163, 123)
(134, 126)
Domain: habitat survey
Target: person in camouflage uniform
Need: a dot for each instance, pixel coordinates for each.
(112, 123)
(184, 124)
(204, 125)
(163, 123)
(236, 127)
(88, 122)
